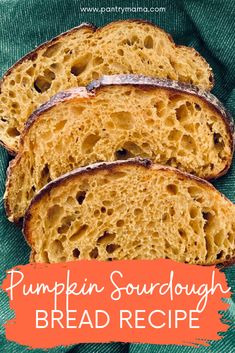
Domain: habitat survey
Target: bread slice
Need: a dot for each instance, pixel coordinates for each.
(116, 118)
(130, 209)
(83, 54)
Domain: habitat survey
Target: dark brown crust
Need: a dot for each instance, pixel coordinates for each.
(111, 166)
(33, 54)
(144, 83)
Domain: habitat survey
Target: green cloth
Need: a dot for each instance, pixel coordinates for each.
(207, 25)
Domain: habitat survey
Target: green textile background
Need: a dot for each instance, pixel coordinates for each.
(207, 25)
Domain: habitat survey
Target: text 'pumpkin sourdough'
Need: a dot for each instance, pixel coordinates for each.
(85, 53)
(130, 210)
(119, 117)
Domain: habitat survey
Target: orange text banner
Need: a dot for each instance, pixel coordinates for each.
(159, 301)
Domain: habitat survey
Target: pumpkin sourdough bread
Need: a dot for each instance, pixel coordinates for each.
(85, 53)
(130, 209)
(119, 117)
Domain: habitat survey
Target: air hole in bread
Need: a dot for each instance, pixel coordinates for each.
(25, 81)
(195, 225)
(181, 113)
(172, 211)
(98, 60)
(15, 105)
(220, 255)
(106, 202)
(106, 238)
(219, 238)
(71, 159)
(122, 120)
(79, 233)
(52, 50)
(49, 75)
(96, 213)
(65, 224)
(110, 248)
(218, 141)
(80, 65)
(12, 131)
(56, 247)
(45, 257)
(4, 119)
(182, 233)
(43, 82)
(95, 75)
(12, 94)
(148, 42)
(133, 148)
(197, 107)
(170, 121)
(165, 217)
(138, 211)
(194, 192)
(122, 154)
(118, 175)
(206, 216)
(120, 52)
(167, 244)
(60, 125)
(89, 142)
(76, 253)
(174, 135)
(160, 107)
(63, 229)
(45, 175)
(120, 223)
(94, 253)
(54, 213)
(172, 189)
(80, 197)
(188, 143)
(193, 212)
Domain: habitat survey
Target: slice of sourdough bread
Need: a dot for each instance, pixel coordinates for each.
(116, 118)
(83, 54)
(130, 209)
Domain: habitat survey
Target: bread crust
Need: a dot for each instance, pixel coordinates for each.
(145, 83)
(113, 167)
(32, 55)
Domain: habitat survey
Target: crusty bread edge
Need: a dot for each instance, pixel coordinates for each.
(111, 166)
(32, 55)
